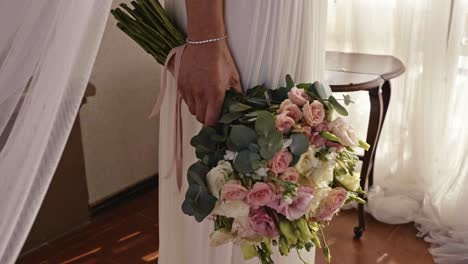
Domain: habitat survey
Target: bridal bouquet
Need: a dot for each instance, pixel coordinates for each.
(275, 170)
(279, 165)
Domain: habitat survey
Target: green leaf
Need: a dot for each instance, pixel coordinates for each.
(338, 107)
(198, 202)
(230, 117)
(303, 85)
(257, 91)
(329, 136)
(265, 124)
(238, 107)
(270, 145)
(289, 81)
(241, 136)
(243, 162)
(318, 90)
(203, 141)
(280, 94)
(258, 102)
(196, 174)
(299, 145)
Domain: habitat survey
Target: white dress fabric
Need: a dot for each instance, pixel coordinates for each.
(47, 51)
(268, 39)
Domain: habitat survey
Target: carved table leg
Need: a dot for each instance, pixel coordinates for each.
(377, 113)
(386, 94)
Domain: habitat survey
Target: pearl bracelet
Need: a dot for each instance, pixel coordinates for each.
(198, 42)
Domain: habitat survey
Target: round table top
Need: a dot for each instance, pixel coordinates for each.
(347, 72)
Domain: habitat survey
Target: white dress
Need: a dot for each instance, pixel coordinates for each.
(268, 39)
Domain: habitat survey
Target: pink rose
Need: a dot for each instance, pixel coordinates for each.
(332, 204)
(280, 161)
(260, 195)
(317, 140)
(233, 190)
(284, 123)
(297, 208)
(290, 109)
(262, 223)
(322, 127)
(335, 145)
(289, 175)
(298, 96)
(314, 113)
(344, 132)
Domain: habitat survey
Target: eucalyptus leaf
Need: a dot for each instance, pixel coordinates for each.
(318, 89)
(280, 94)
(337, 106)
(270, 145)
(265, 124)
(196, 174)
(203, 141)
(257, 91)
(299, 144)
(303, 85)
(241, 136)
(198, 202)
(230, 117)
(243, 163)
(238, 107)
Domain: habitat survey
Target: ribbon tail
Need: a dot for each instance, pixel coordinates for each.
(177, 159)
(179, 151)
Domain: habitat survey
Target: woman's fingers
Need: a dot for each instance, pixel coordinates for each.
(200, 108)
(236, 84)
(213, 109)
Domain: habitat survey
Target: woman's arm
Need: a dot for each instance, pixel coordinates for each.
(207, 70)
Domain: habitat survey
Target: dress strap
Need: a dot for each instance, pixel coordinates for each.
(177, 158)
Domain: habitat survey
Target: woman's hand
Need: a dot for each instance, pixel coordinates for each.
(206, 72)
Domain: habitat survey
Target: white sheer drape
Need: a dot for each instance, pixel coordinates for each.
(47, 50)
(422, 159)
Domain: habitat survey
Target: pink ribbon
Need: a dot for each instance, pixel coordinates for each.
(177, 158)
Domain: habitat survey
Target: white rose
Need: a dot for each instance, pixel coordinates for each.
(323, 175)
(351, 182)
(319, 176)
(220, 237)
(319, 195)
(241, 227)
(216, 177)
(231, 209)
(344, 132)
(307, 162)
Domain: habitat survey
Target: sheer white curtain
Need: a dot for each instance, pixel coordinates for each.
(47, 50)
(422, 159)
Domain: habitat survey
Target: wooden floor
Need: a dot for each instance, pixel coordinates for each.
(128, 234)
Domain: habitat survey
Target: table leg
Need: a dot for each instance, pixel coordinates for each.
(377, 107)
(386, 95)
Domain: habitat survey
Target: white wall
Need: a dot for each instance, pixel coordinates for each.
(120, 142)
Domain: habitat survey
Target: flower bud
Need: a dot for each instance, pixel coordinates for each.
(248, 251)
(304, 230)
(288, 231)
(283, 246)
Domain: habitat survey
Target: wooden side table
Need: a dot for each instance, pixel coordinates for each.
(352, 72)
